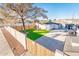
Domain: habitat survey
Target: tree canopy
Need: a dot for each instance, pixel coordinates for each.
(22, 11)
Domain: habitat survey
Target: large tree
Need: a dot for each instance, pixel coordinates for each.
(22, 11)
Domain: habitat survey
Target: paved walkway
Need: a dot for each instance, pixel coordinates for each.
(53, 40)
(5, 49)
(71, 46)
(7, 42)
(16, 47)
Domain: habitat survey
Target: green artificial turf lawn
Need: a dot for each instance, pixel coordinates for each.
(35, 34)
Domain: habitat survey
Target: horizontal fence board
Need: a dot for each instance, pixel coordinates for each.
(26, 27)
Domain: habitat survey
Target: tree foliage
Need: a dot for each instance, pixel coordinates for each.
(22, 11)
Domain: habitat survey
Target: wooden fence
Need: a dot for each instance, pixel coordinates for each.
(38, 50)
(30, 26)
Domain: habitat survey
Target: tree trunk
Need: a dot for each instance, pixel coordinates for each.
(26, 33)
(23, 24)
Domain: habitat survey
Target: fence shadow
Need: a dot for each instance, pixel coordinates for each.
(51, 43)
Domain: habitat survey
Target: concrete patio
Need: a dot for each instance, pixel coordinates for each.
(71, 46)
(53, 40)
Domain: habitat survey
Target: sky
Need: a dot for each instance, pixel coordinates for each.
(60, 10)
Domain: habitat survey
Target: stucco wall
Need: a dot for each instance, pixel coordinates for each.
(19, 36)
